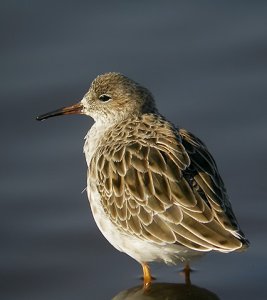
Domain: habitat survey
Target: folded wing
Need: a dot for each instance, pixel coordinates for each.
(162, 185)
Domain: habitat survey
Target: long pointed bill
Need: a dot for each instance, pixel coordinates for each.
(69, 110)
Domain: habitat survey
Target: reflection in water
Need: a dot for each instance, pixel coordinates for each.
(167, 291)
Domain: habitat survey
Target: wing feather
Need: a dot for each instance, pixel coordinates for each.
(163, 185)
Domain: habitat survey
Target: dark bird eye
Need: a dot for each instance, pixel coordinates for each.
(104, 98)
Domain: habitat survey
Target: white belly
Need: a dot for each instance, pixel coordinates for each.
(139, 249)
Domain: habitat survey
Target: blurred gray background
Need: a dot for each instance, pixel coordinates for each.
(205, 62)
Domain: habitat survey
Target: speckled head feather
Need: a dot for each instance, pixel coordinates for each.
(113, 95)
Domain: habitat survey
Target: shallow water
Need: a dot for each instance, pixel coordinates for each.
(205, 64)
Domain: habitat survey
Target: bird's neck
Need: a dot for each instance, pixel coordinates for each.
(92, 139)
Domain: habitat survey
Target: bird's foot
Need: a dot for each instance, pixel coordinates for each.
(187, 271)
(146, 276)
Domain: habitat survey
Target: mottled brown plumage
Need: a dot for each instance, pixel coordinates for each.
(169, 189)
(155, 190)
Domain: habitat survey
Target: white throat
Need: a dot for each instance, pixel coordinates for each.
(92, 138)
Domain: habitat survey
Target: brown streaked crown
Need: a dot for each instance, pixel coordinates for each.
(113, 95)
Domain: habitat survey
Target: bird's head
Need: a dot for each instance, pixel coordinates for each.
(111, 97)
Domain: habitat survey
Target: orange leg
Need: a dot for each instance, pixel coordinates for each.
(187, 271)
(147, 275)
